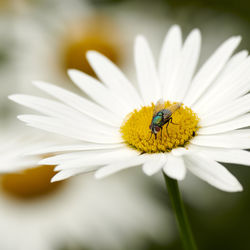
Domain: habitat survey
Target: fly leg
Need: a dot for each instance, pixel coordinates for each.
(171, 120)
(167, 127)
(150, 136)
(161, 134)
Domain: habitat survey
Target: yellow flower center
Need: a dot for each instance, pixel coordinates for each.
(30, 184)
(175, 133)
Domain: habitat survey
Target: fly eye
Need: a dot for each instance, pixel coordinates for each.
(157, 129)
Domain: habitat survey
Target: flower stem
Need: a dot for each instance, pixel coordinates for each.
(180, 214)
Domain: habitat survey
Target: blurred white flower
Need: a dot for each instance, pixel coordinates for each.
(8, 63)
(56, 38)
(36, 214)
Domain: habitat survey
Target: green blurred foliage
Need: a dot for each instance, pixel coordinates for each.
(240, 8)
(225, 224)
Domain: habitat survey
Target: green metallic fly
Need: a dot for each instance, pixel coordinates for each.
(162, 116)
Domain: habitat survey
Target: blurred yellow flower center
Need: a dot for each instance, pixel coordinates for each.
(97, 35)
(30, 184)
(137, 134)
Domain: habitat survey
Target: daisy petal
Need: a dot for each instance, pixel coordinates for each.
(97, 91)
(66, 157)
(61, 111)
(227, 112)
(45, 106)
(212, 172)
(175, 167)
(169, 56)
(239, 122)
(146, 72)
(154, 164)
(84, 125)
(114, 79)
(225, 89)
(235, 156)
(85, 166)
(234, 139)
(179, 151)
(74, 147)
(120, 165)
(64, 174)
(187, 64)
(67, 128)
(211, 69)
(86, 159)
(82, 104)
(234, 62)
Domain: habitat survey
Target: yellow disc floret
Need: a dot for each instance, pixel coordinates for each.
(137, 134)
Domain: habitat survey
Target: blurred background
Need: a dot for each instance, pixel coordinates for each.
(40, 40)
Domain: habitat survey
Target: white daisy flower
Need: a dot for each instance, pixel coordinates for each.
(113, 128)
(41, 215)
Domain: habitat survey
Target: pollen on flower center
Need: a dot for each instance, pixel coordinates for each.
(137, 134)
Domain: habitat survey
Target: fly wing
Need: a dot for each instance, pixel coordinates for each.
(167, 114)
(158, 106)
(174, 107)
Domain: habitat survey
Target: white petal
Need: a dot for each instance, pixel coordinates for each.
(83, 126)
(212, 172)
(179, 151)
(111, 75)
(63, 112)
(81, 104)
(74, 147)
(68, 128)
(154, 164)
(225, 89)
(45, 106)
(87, 159)
(66, 157)
(175, 167)
(236, 123)
(229, 111)
(146, 72)
(98, 92)
(211, 69)
(187, 64)
(64, 174)
(120, 165)
(235, 156)
(87, 163)
(169, 58)
(234, 62)
(234, 139)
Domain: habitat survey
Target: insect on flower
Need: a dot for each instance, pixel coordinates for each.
(162, 116)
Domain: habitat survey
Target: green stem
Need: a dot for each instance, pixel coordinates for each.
(180, 214)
